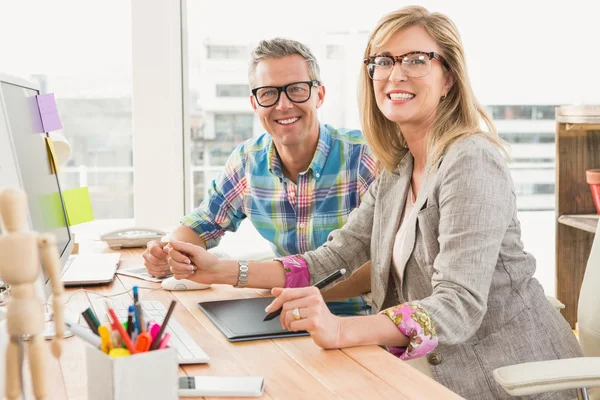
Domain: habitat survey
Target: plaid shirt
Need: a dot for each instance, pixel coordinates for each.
(294, 218)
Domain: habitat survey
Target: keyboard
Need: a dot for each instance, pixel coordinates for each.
(188, 351)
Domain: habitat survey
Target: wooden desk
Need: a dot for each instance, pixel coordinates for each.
(293, 368)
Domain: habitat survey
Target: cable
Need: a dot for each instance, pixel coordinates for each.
(103, 295)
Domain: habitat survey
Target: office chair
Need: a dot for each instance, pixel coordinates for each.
(575, 373)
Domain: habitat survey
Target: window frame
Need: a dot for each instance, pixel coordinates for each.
(159, 112)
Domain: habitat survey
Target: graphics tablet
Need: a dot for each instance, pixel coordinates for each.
(242, 319)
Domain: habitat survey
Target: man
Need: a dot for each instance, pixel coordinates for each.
(297, 182)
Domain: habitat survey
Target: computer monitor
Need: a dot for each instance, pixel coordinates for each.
(24, 163)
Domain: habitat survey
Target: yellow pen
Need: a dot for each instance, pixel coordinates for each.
(104, 333)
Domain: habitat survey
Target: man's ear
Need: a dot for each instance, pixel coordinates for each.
(253, 103)
(321, 95)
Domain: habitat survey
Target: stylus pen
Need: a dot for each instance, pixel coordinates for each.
(319, 285)
(163, 326)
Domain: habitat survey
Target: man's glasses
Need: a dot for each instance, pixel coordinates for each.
(415, 64)
(297, 92)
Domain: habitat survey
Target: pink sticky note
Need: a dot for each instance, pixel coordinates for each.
(48, 112)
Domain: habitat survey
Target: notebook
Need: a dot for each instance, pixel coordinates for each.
(242, 319)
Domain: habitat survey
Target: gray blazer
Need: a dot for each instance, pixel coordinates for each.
(463, 261)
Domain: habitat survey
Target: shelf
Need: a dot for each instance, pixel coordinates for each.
(586, 222)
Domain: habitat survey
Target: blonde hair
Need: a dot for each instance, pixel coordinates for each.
(279, 48)
(458, 114)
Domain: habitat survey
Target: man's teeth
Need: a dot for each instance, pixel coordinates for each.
(401, 96)
(288, 121)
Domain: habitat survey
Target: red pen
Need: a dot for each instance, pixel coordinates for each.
(116, 325)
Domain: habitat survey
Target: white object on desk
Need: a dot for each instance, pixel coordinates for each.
(150, 376)
(131, 237)
(182, 284)
(221, 386)
(90, 269)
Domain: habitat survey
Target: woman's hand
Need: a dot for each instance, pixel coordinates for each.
(315, 318)
(188, 261)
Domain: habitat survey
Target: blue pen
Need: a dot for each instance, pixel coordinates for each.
(139, 316)
(136, 328)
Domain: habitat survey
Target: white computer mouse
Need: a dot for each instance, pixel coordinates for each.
(182, 284)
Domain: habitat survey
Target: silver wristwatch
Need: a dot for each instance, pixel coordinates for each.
(243, 274)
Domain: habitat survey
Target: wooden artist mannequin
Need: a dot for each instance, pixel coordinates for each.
(20, 251)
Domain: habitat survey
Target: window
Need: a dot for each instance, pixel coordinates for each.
(511, 112)
(518, 138)
(227, 52)
(90, 74)
(544, 112)
(210, 149)
(233, 90)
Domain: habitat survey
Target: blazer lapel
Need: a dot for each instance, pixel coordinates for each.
(391, 204)
(411, 222)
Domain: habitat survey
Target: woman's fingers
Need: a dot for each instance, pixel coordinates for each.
(305, 303)
(182, 276)
(177, 256)
(290, 294)
(180, 268)
(287, 317)
(307, 321)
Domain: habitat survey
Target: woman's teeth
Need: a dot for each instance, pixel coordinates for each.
(401, 96)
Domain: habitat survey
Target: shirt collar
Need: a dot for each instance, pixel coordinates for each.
(319, 158)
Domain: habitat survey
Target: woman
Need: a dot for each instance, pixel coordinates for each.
(449, 278)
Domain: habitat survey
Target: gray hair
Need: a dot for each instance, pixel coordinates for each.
(279, 48)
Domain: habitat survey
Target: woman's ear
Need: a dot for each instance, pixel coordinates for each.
(450, 80)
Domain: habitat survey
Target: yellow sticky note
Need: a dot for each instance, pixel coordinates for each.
(78, 205)
(54, 167)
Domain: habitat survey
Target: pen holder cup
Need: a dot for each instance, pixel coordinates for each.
(149, 375)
